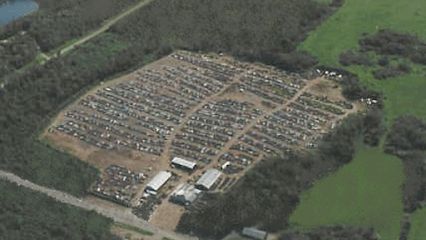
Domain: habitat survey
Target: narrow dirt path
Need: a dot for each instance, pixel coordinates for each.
(190, 113)
(102, 29)
(114, 214)
(234, 140)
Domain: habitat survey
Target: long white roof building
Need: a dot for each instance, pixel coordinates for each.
(158, 181)
(208, 179)
(184, 163)
(255, 233)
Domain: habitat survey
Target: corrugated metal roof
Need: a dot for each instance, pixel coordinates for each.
(254, 233)
(184, 163)
(158, 181)
(209, 178)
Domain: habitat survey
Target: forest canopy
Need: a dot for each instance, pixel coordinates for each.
(407, 139)
(255, 30)
(29, 215)
(59, 21)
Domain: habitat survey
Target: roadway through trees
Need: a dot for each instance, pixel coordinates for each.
(114, 214)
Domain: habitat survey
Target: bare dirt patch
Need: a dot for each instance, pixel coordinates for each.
(328, 89)
(167, 216)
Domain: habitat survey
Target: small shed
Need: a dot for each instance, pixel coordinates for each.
(158, 181)
(208, 179)
(184, 164)
(254, 233)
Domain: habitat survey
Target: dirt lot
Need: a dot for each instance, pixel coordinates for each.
(167, 216)
(327, 88)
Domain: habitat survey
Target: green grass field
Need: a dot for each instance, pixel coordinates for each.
(368, 192)
(404, 94)
(343, 30)
(418, 225)
(365, 192)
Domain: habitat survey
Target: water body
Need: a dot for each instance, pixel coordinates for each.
(14, 9)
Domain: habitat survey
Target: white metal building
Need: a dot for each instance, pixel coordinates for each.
(254, 233)
(185, 194)
(208, 179)
(158, 181)
(182, 163)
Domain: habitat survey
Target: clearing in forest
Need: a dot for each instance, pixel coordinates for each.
(209, 109)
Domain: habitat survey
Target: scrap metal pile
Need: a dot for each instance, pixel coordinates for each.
(118, 184)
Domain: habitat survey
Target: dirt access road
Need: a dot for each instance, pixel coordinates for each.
(118, 216)
(103, 28)
(45, 57)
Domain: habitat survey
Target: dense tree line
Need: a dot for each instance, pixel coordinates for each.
(333, 233)
(407, 139)
(268, 194)
(25, 214)
(295, 61)
(373, 125)
(388, 42)
(253, 30)
(405, 227)
(354, 58)
(408, 133)
(390, 71)
(353, 89)
(266, 31)
(16, 53)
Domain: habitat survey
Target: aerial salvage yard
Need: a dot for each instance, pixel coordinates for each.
(192, 123)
